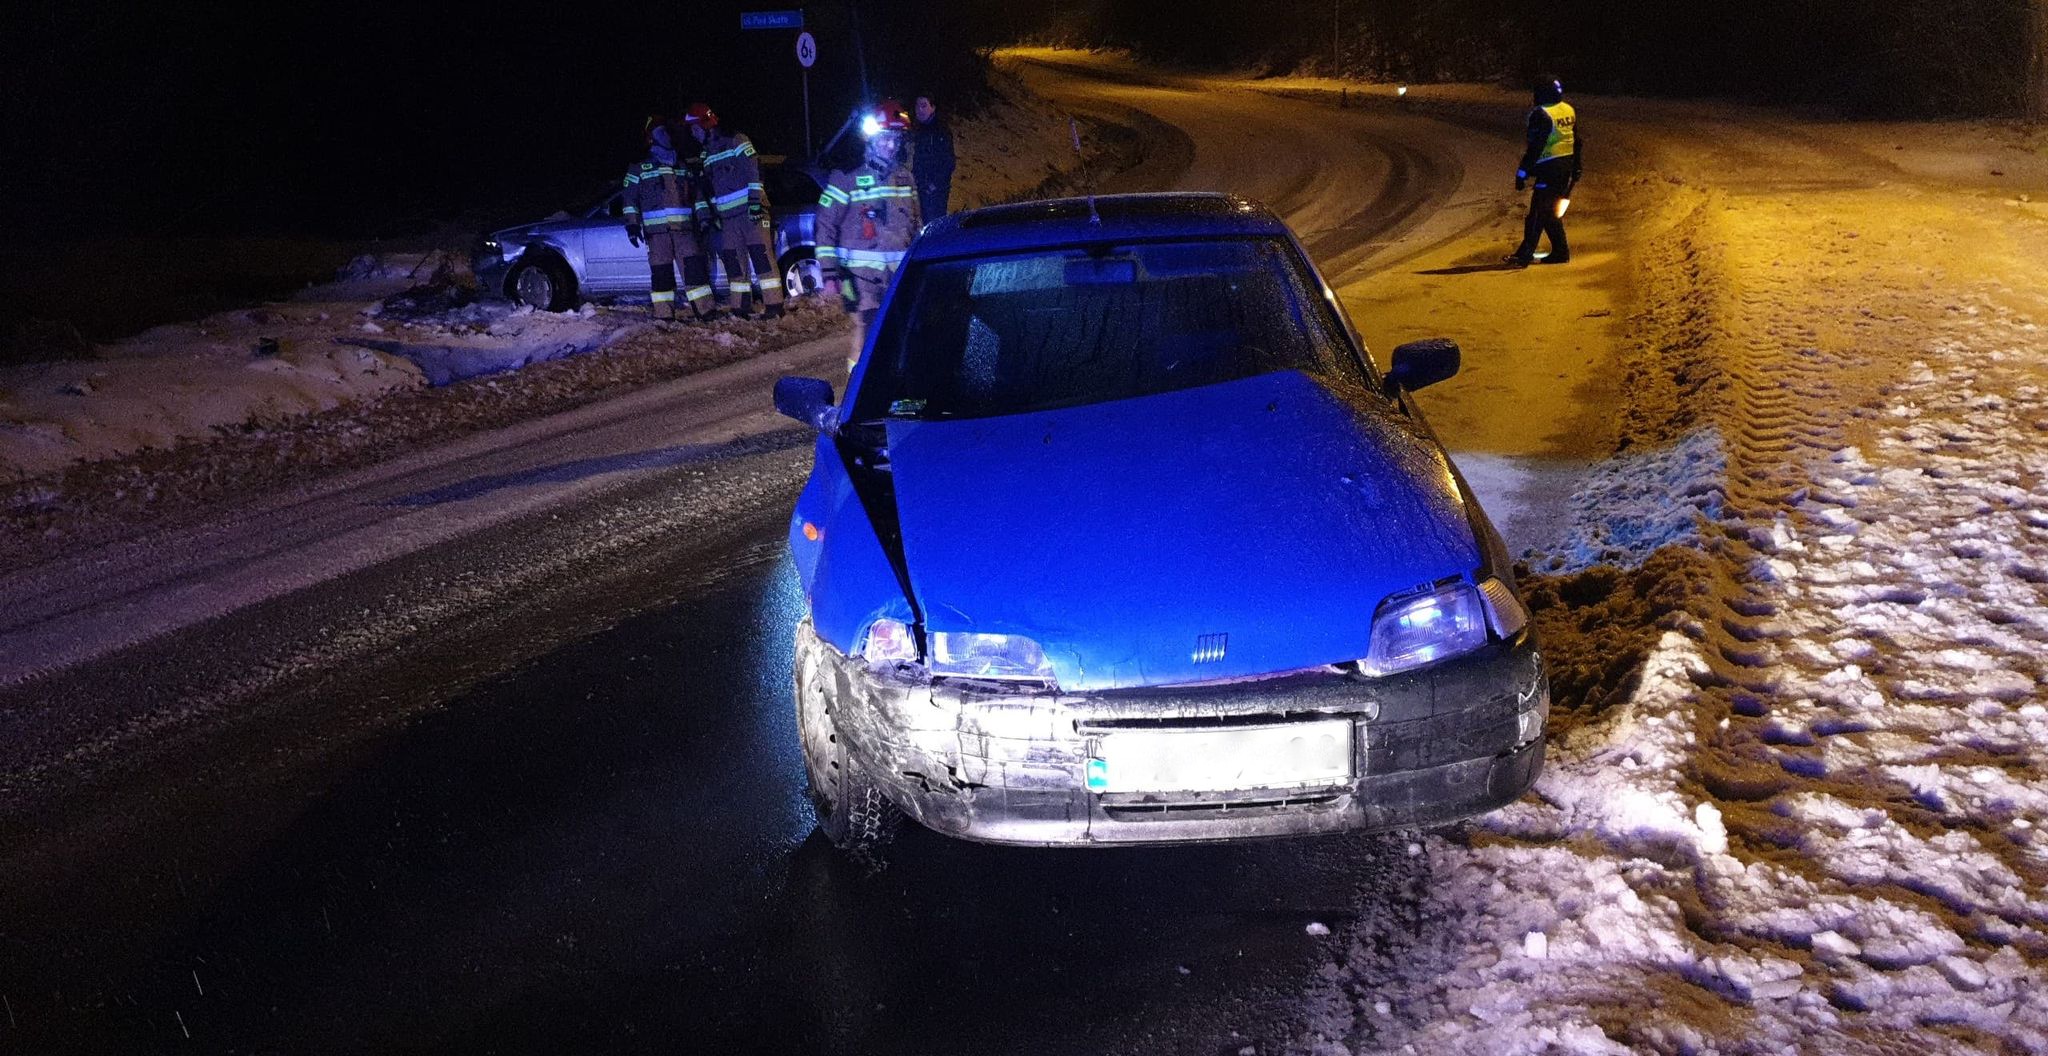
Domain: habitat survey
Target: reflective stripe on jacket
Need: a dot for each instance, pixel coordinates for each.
(657, 195)
(866, 219)
(732, 172)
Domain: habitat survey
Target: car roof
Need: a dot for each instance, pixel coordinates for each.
(1067, 221)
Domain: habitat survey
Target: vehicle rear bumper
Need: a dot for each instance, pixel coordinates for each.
(1461, 738)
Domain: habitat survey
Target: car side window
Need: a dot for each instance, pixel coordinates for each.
(791, 185)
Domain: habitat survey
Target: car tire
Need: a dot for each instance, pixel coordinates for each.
(802, 275)
(853, 811)
(543, 284)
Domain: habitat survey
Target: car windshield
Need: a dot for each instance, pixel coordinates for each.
(1027, 332)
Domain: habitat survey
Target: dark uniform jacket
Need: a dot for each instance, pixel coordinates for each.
(931, 152)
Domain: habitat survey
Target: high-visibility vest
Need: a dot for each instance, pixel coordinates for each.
(1562, 143)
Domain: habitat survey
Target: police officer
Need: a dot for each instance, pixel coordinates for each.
(732, 183)
(866, 219)
(931, 159)
(1552, 160)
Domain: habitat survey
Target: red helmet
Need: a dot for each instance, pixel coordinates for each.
(892, 116)
(888, 117)
(654, 121)
(701, 115)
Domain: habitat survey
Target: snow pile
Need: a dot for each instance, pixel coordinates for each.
(264, 365)
(489, 337)
(1817, 813)
(185, 380)
(1633, 505)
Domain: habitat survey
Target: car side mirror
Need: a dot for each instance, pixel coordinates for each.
(808, 400)
(1422, 363)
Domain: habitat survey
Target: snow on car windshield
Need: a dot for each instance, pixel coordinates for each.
(1028, 332)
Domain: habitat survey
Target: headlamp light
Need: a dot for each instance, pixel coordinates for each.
(1421, 627)
(1412, 630)
(870, 126)
(960, 654)
(966, 654)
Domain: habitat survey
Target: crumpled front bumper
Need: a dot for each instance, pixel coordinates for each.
(491, 270)
(1460, 738)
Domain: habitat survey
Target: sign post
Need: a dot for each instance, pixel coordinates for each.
(807, 53)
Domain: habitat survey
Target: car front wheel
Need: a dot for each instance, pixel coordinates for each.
(852, 810)
(802, 275)
(544, 284)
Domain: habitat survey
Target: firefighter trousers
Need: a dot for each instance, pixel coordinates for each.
(741, 235)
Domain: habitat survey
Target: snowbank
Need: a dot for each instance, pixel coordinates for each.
(1014, 145)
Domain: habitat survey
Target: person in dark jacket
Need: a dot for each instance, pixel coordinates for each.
(1552, 158)
(931, 159)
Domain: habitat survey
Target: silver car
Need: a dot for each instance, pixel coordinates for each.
(556, 264)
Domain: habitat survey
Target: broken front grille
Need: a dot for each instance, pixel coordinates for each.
(1161, 811)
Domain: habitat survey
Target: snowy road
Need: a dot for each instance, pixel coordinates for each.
(492, 743)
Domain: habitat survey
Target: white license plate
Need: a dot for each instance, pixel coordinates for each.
(1293, 755)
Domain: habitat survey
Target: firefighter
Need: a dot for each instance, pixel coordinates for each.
(866, 219)
(656, 203)
(1552, 160)
(931, 159)
(658, 215)
(732, 185)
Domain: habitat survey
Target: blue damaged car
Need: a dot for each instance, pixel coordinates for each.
(1118, 536)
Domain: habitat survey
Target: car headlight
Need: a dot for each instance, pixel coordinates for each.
(1421, 628)
(967, 654)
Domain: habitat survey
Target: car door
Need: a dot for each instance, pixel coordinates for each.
(612, 263)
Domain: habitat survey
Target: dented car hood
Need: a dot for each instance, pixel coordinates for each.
(1125, 536)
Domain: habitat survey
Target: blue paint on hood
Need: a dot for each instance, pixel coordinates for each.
(1268, 509)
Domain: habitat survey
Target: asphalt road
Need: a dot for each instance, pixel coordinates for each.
(491, 749)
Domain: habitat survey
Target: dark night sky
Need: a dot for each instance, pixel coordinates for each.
(363, 119)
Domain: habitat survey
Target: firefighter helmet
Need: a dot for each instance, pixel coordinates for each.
(701, 116)
(887, 117)
(654, 121)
